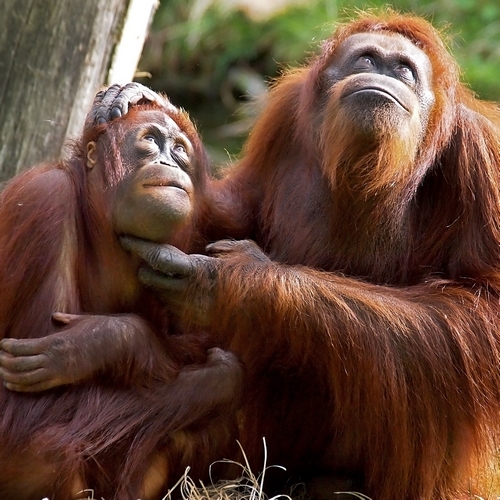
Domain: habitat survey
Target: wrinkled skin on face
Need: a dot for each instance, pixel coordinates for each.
(156, 197)
(381, 78)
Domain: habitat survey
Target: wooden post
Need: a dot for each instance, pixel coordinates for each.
(54, 56)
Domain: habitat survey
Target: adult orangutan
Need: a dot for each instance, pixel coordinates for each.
(369, 328)
(132, 414)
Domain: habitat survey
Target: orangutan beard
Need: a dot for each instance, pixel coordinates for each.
(371, 160)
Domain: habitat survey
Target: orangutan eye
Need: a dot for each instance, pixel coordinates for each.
(181, 156)
(151, 138)
(179, 148)
(365, 62)
(405, 73)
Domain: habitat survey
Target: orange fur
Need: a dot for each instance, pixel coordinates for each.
(117, 432)
(372, 341)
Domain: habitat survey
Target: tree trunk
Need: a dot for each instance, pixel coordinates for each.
(54, 56)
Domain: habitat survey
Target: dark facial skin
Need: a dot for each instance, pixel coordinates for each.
(376, 71)
(156, 198)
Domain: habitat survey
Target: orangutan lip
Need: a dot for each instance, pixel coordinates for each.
(158, 184)
(383, 92)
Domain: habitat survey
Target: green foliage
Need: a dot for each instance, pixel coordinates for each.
(209, 58)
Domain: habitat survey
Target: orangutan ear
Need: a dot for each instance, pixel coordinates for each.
(91, 154)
